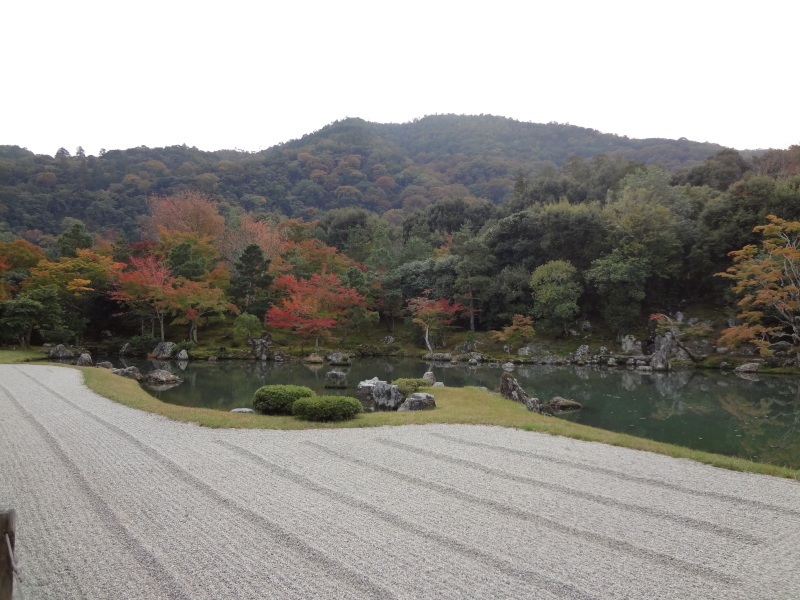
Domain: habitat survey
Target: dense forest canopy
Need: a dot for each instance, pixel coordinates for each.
(498, 217)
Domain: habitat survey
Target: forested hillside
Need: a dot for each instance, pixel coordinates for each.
(349, 163)
(482, 222)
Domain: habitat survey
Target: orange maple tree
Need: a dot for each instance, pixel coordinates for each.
(767, 278)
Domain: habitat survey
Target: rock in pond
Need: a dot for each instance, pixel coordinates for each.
(162, 377)
(335, 379)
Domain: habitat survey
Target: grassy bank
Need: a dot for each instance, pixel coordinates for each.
(454, 405)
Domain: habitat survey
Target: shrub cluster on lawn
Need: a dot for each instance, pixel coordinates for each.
(326, 408)
(407, 386)
(278, 399)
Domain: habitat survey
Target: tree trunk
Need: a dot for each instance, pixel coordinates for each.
(427, 340)
(161, 325)
(471, 313)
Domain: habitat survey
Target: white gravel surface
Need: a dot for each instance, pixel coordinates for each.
(117, 503)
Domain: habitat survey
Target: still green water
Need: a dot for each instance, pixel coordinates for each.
(757, 418)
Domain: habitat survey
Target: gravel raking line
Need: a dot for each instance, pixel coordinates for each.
(116, 503)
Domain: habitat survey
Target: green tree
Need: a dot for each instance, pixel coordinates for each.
(620, 283)
(184, 262)
(74, 238)
(252, 281)
(556, 291)
(474, 269)
(38, 310)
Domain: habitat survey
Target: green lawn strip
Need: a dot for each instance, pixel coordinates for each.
(8, 357)
(468, 405)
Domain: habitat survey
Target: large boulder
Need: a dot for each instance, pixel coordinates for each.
(417, 401)
(85, 360)
(260, 346)
(631, 345)
(335, 379)
(104, 365)
(511, 389)
(659, 360)
(339, 359)
(382, 395)
(429, 377)
(163, 351)
(751, 367)
(60, 352)
(182, 355)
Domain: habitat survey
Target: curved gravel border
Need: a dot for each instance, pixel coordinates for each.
(117, 503)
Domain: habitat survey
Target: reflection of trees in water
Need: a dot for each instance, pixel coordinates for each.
(770, 426)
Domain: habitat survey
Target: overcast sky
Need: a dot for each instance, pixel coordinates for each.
(250, 74)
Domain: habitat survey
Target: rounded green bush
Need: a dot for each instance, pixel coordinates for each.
(278, 399)
(326, 408)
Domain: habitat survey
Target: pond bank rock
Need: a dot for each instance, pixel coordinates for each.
(339, 359)
(162, 377)
(243, 410)
(129, 372)
(563, 404)
(61, 352)
(163, 351)
(439, 356)
(84, 360)
(511, 389)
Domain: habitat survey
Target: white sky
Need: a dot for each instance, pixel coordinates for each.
(250, 74)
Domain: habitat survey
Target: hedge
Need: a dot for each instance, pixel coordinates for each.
(326, 408)
(278, 399)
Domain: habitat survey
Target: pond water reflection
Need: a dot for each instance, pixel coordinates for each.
(756, 418)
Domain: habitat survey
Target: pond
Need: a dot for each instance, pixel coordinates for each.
(757, 418)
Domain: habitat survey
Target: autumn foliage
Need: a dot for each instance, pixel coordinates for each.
(767, 279)
(310, 308)
(432, 314)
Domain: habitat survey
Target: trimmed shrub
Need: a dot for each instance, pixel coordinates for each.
(326, 408)
(278, 399)
(407, 386)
